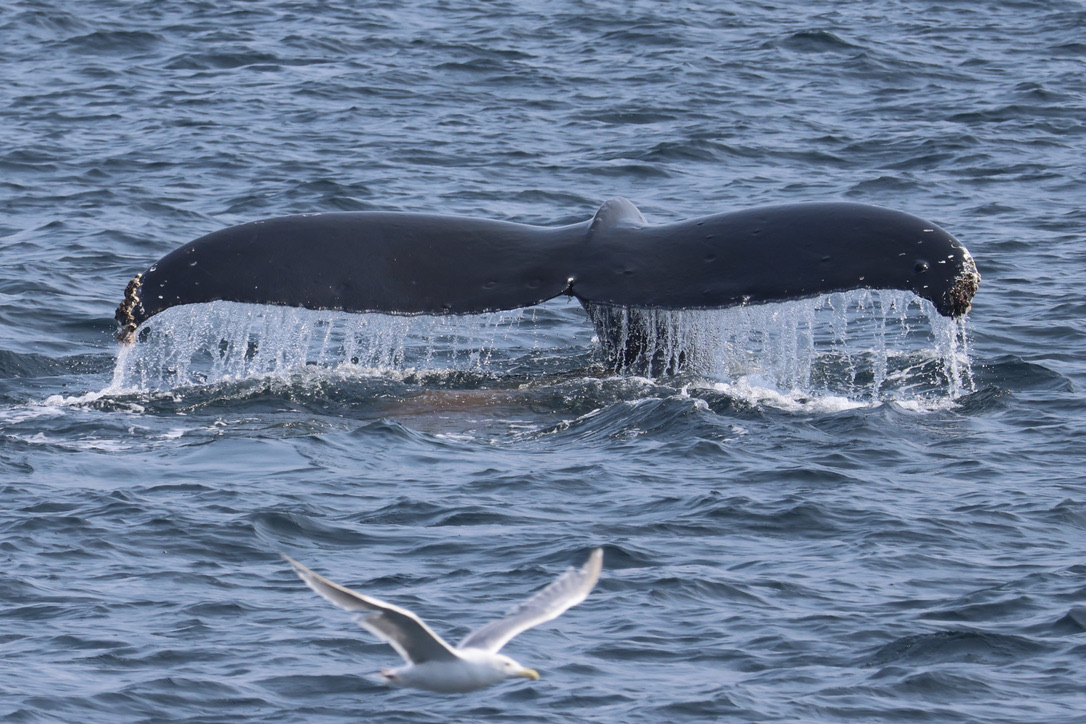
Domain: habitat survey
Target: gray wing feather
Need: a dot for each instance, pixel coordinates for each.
(568, 590)
(398, 627)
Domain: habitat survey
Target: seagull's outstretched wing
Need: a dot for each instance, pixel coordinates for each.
(571, 588)
(398, 627)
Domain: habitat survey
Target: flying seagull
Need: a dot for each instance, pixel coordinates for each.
(434, 665)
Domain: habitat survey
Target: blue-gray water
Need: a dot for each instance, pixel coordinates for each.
(856, 515)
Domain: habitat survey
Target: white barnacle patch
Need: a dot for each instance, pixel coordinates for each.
(124, 314)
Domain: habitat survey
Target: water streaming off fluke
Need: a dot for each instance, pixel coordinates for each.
(864, 345)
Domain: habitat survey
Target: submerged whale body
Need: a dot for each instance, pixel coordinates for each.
(618, 266)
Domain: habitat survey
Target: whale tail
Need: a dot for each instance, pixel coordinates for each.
(619, 267)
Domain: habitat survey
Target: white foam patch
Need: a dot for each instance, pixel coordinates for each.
(756, 392)
(14, 416)
(76, 445)
(56, 402)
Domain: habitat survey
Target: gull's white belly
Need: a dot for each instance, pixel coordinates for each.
(446, 677)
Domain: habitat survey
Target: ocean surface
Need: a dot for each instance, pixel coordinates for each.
(859, 512)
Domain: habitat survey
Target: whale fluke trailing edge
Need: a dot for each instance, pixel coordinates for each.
(405, 263)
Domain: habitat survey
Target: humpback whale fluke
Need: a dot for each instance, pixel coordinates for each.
(404, 263)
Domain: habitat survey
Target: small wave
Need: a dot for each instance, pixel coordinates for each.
(817, 41)
(115, 42)
(966, 646)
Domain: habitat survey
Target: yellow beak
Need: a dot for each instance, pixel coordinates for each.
(529, 674)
